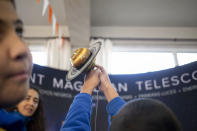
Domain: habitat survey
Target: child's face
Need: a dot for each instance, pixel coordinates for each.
(15, 57)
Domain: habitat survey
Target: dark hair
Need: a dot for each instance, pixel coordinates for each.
(145, 115)
(37, 122)
(38, 119)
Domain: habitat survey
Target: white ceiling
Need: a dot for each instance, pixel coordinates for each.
(111, 14)
(119, 12)
(31, 12)
(144, 13)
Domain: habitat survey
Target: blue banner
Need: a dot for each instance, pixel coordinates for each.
(176, 87)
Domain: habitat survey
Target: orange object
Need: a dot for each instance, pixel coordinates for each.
(63, 41)
(57, 28)
(38, 1)
(50, 13)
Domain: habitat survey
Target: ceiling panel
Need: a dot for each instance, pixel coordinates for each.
(164, 13)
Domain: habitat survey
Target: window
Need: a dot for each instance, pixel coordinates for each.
(38, 51)
(140, 62)
(39, 57)
(185, 58)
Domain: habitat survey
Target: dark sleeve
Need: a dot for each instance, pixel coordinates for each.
(79, 114)
(113, 107)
